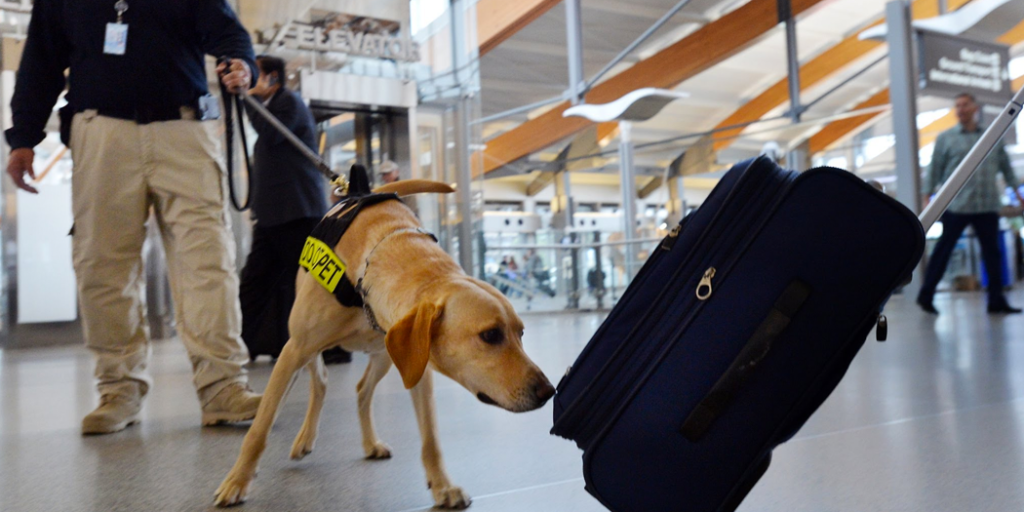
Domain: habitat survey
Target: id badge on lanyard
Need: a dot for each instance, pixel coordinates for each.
(116, 40)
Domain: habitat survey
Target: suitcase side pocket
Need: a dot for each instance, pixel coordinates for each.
(754, 351)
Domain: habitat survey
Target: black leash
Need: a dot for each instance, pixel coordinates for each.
(233, 102)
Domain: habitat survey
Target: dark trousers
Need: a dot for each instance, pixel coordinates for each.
(267, 290)
(986, 227)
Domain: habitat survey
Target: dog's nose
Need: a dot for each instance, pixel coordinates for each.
(544, 390)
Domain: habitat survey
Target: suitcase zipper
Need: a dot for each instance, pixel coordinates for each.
(616, 400)
(786, 428)
(576, 417)
(704, 287)
(668, 244)
(670, 240)
(651, 363)
(626, 375)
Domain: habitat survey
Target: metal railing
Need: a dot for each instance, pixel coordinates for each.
(560, 277)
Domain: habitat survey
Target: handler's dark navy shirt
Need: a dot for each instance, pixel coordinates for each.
(163, 67)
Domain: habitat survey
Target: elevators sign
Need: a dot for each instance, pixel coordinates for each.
(359, 36)
(951, 65)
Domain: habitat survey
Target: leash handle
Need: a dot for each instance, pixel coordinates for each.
(231, 102)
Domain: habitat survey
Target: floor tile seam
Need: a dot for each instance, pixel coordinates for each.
(298, 405)
(950, 412)
(812, 437)
(505, 493)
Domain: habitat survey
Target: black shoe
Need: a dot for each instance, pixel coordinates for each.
(1004, 309)
(928, 307)
(337, 356)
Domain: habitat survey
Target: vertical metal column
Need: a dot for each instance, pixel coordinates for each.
(561, 205)
(628, 193)
(464, 180)
(943, 7)
(9, 223)
(563, 209)
(792, 59)
(676, 204)
(463, 174)
(903, 92)
(574, 47)
(599, 290)
(363, 126)
(904, 102)
(676, 201)
(799, 157)
(402, 142)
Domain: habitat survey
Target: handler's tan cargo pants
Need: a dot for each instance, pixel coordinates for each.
(121, 169)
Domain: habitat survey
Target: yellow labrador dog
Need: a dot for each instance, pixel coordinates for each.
(435, 316)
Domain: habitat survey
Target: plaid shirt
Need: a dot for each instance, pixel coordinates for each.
(981, 194)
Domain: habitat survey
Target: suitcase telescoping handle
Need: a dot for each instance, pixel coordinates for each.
(972, 161)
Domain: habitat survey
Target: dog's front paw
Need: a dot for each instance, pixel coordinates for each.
(377, 451)
(451, 498)
(232, 490)
(303, 444)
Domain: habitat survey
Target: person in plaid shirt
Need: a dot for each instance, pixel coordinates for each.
(977, 204)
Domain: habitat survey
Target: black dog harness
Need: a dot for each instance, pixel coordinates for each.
(319, 259)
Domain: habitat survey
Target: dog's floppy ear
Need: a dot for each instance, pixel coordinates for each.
(408, 341)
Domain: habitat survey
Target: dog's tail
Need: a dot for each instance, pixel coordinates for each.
(358, 181)
(409, 187)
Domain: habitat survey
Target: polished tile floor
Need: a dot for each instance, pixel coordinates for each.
(931, 421)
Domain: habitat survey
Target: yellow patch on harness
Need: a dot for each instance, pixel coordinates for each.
(321, 262)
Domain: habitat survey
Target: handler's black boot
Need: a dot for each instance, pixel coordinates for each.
(337, 355)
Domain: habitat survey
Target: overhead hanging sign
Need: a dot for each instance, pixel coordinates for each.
(951, 65)
(358, 36)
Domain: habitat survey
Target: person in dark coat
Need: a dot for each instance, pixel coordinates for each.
(288, 200)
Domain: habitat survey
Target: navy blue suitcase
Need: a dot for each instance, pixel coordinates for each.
(733, 333)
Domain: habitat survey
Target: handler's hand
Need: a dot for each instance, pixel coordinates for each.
(237, 78)
(18, 165)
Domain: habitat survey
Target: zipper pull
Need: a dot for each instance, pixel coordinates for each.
(882, 331)
(704, 287)
(670, 240)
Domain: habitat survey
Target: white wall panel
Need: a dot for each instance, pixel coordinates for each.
(46, 280)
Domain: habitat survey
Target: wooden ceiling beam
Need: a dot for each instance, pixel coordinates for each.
(541, 182)
(651, 186)
(498, 20)
(684, 59)
(833, 60)
(838, 130)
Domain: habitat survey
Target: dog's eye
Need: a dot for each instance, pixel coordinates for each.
(492, 336)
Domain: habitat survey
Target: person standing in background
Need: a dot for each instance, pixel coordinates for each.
(535, 268)
(288, 200)
(977, 205)
(388, 172)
